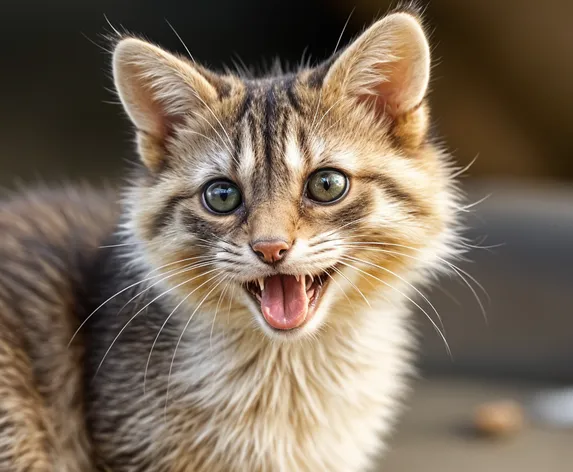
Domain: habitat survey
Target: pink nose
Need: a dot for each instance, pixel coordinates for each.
(270, 250)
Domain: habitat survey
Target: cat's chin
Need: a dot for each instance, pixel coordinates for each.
(287, 304)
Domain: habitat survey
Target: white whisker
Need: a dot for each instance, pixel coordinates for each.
(188, 268)
(323, 237)
(328, 111)
(312, 127)
(199, 97)
(436, 327)
(460, 272)
(465, 168)
(180, 261)
(111, 298)
(181, 337)
(355, 259)
(339, 272)
(199, 115)
(180, 39)
(141, 310)
(230, 303)
(343, 292)
(165, 323)
(217, 310)
(212, 141)
(471, 205)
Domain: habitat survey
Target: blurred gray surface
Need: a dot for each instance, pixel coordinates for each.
(529, 279)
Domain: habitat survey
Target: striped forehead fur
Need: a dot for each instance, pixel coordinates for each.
(272, 144)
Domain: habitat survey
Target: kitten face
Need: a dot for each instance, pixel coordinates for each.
(306, 195)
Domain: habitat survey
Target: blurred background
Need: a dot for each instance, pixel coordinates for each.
(502, 91)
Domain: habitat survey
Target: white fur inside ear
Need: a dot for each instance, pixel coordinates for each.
(155, 87)
(389, 62)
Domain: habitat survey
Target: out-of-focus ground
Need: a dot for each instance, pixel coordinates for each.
(436, 436)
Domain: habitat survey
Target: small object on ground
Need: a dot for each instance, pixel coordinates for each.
(553, 407)
(499, 418)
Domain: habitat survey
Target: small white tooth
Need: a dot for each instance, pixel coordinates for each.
(261, 283)
(311, 279)
(297, 278)
(258, 297)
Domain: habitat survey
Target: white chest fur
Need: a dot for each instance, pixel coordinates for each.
(320, 404)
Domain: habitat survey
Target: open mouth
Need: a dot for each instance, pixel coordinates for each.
(288, 301)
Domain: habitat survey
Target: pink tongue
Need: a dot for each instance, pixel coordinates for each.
(284, 302)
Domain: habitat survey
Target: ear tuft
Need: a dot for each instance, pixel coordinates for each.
(388, 66)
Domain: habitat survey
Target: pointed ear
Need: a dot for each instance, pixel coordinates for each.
(388, 67)
(158, 90)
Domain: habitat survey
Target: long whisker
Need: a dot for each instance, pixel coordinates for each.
(436, 327)
(141, 310)
(165, 324)
(460, 272)
(199, 115)
(112, 297)
(478, 245)
(212, 247)
(188, 268)
(210, 110)
(462, 275)
(323, 237)
(204, 257)
(230, 243)
(342, 291)
(448, 294)
(181, 337)
(312, 127)
(328, 111)
(131, 243)
(445, 261)
(466, 208)
(326, 131)
(195, 93)
(217, 310)
(180, 39)
(212, 141)
(106, 246)
(464, 169)
(339, 272)
(230, 303)
(355, 259)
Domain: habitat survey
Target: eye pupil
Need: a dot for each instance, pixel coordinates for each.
(326, 186)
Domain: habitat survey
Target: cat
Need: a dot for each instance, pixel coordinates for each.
(246, 306)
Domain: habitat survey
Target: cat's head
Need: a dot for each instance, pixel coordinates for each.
(300, 197)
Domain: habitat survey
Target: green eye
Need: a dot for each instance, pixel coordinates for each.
(222, 197)
(326, 186)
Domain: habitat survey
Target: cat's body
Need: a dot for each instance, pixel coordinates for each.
(49, 247)
(298, 193)
(254, 406)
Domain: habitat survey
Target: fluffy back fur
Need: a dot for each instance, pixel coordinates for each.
(183, 372)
